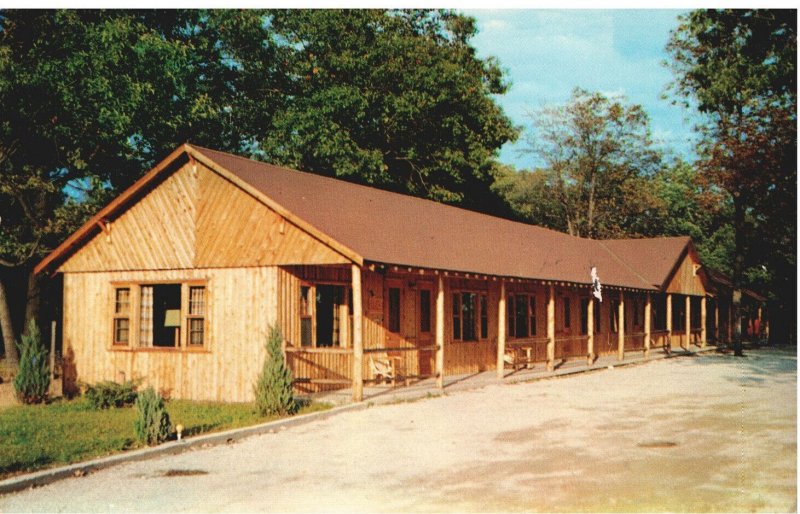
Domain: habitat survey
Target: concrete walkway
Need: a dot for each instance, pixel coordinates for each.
(424, 388)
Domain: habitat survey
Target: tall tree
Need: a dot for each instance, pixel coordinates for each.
(91, 99)
(693, 207)
(739, 68)
(396, 99)
(599, 158)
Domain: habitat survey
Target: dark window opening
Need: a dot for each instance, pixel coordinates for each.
(394, 310)
(584, 315)
(484, 317)
(328, 300)
(468, 316)
(521, 310)
(456, 317)
(424, 311)
(166, 315)
(305, 316)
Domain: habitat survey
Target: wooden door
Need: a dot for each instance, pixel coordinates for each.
(393, 301)
(425, 325)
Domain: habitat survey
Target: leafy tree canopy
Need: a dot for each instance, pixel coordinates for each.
(599, 158)
(90, 99)
(739, 68)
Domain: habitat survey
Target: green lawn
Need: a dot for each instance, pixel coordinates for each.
(63, 432)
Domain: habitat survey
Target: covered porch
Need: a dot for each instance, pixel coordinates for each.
(381, 326)
(428, 387)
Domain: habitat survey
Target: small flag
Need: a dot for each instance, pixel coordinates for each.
(597, 289)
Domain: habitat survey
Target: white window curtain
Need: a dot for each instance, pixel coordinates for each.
(146, 317)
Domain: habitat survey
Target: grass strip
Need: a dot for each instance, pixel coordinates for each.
(35, 437)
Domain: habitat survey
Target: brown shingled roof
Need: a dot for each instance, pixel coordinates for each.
(653, 259)
(379, 226)
(397, 229)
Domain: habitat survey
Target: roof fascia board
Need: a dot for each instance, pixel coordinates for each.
(84, 231)
(272, 204)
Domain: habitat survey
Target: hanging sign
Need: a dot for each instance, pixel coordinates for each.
(597, 289)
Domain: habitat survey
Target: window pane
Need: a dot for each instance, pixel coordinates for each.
(522, 315)
(468, 318)
(394, 309)
(123, 301)
(456, 317)
(484, 317)
(567, 314)
(424, 310)
(197, 301)
(121, 330)
(196, 331)
(305, 331)
(533, 315)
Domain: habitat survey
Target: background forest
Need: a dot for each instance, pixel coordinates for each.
(90, 100)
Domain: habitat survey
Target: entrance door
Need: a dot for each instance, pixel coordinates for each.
(425, 327)
(329, 302)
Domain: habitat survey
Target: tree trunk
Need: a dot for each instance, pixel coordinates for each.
(590, 213)
(738, 272)
(7, 329)
(32, 302)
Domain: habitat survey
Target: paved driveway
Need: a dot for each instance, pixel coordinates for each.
(709, 433)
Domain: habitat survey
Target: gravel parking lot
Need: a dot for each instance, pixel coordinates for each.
(704, 433)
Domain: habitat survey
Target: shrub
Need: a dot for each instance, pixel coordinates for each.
(273, 390)
(33, 378)
(152, 424)
(105, 395)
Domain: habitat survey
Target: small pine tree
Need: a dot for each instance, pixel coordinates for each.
(33, 378)
(152, 423)
(273, 390)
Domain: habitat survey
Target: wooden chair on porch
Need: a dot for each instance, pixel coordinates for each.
(386, 366)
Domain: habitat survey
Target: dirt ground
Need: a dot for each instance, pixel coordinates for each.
(707, 433)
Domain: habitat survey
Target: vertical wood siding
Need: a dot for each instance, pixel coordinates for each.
(242, 303)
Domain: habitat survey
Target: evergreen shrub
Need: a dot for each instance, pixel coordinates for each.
(105, 395)
(152, 423)
(33, 378)
(273, 390)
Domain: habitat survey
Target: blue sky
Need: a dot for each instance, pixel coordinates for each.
(547, 53)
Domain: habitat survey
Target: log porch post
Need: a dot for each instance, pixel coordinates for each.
(590, 331)
(703, 321)
(358, 344)
(621, 327)
(501, 330)
(669, 320)
(440, 334)
(551, 329)
(647, 315)
(716, 321)
(688, 321)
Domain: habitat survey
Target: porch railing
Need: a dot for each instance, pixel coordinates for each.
(568, 347)
(634, 342)
(325, 368)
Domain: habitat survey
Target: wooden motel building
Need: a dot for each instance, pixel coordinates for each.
(177, 281)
